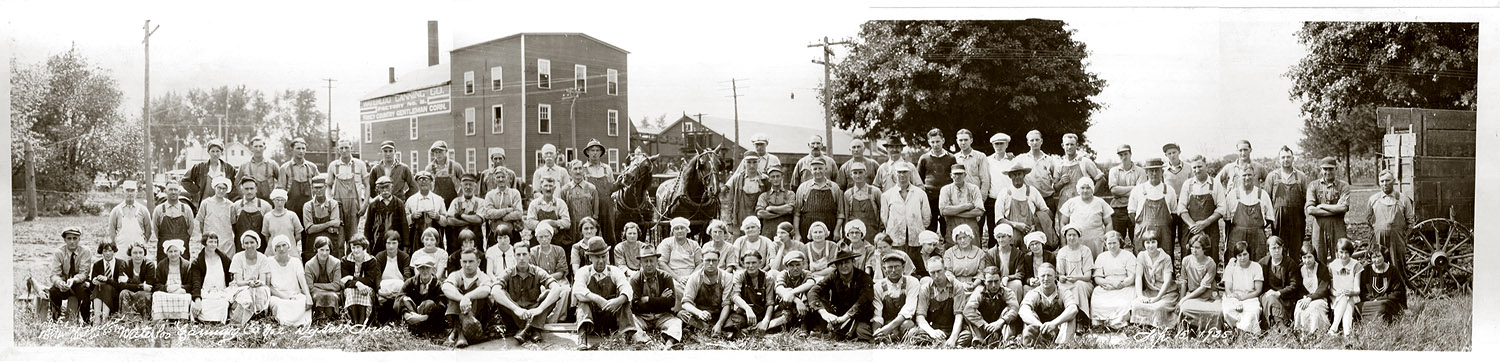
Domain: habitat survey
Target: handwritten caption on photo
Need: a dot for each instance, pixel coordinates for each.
(151, 332)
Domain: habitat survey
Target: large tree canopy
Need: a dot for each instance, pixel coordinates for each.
(68, 111)
(905, 77)
(1353, 67)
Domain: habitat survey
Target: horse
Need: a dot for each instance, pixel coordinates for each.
(632, 203)
(694, 193)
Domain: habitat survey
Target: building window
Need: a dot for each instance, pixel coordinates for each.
(368, 133)
(497, 119)
(469, 82)
(614, 159)
(544, 118)
(612, 122)
(687, 127)
(572, 155)
(496, 80)
(411, 124)
(612, 80)
(581, 77)
(414, 159)
(469, 157)
(539, 163)
(469, 121)
(398, 156)
(543, 74)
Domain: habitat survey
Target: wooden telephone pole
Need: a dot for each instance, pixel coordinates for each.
(145, 120)
(827, 80)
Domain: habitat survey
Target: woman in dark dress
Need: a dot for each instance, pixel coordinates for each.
(1383, 293)
(106, 276)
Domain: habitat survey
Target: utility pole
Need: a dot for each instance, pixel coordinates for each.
(145, 130)
(827, 80)
(328, 155)
(571, 95)
(735, 86)
(31, 182)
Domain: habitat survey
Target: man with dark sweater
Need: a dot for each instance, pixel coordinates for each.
(654, 298)
(845, 299)
(933, 167)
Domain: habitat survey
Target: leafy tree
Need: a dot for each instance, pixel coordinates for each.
(68, 111)
(296, 113)
(904, 77)
(1353, 67)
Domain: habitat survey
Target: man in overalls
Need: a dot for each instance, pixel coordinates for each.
(463, 213)
(599, 173)
(776, 205)
(322, 216)
(863, 200)
(705, 296)
(172, 220)
(258, 168)
(896, 295)
(960, 202)
(445, 171)
(582, 198)
(1288, 188)
(745, 187)
(1198, 206)
(550, 209)
(1072, 167)
(425, 209)
(295, 177)
(602, 291)
(993, 311)
(818, 199)
(752, 293)
(347, 186)
(1252, 213)
(1391, 215)
(1043, 169)
(1327, 201)
(129, 222)
(249, 212)
(504, 207)
(938, 309)
(1151, 208)
(1022, 206)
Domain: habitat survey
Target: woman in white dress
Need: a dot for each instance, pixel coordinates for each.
(249, 294)
(1114, 284)
(1345, 274)
(290, 302)
(171, 299)
(1157, 304)
(752, 240)
(208, 282)
(1089, 215)
(680, 255)
(1075, 266)
(1243, 280)
(1311, 313)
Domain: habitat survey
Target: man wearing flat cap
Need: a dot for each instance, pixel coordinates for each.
(1327, 202)
(896, 295)
(199, 179)
(387, 213)
(961, 202)
(295, 176)
(70, 277)
(463, 213)
(861, 199)
(347, 179)
(424, 209)
(323, 217)
(761, 141)
(819, 199)
(845, 299)
(777, 204)
(445, 171)
(998, 163)
(172, 219)
(793, 286)
(1123, 179)
(745, 187)
(1151, 208)
(403, 182)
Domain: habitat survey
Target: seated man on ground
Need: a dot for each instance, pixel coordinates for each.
(422, 303)
(844, 299)
(753, 294)
(1047, 311)
(896, 295)
(654, 297)
(602, 291)
(468, 293)
(526, 294)
(705, 296)
(992, 310)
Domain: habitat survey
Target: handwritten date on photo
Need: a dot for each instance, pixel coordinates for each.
(1157, 336)
(142, 332)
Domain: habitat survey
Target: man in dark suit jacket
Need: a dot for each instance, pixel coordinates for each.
(1282, 276)
(388, 279)
(403, 183)
(846, 299)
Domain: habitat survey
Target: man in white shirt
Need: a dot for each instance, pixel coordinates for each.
(998, 163)
(550, 168)
(129, 222)
(424, 209)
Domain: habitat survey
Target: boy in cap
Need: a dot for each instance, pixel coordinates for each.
(296, 175)
(527, 295)
(425, 209)
(776, 205)
(70, 273)
(322, 216)
(792, 287)
(265, 173)
(387, 213)
(654, 297)
(463, 212)
(422, 303)
(603, 291)
(753, 296)
(402, 182)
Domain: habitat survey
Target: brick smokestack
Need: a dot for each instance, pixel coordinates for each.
(432, 43)
(392, 75)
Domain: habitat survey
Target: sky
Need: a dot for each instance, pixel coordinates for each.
(1202, 78)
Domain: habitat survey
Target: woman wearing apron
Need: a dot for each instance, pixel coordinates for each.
(818, 200)
(444, 171)
(172, 220)
(600, 174)
(1151, 209)
(1288, 188)
(1391, 215)
(1090, 214)
(1198, 205)
(1250, 207)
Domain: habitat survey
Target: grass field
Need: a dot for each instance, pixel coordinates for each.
(1441, 324)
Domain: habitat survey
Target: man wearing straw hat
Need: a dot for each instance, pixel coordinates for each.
(895, 299)
(1022, 206)
(1151, 208)
(844, 299)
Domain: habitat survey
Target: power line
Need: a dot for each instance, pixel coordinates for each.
(827, 82)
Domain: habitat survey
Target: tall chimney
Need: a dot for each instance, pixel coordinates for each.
(432, 43)
(392, 74)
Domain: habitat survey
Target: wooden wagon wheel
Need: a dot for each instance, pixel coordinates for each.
(1440, 257)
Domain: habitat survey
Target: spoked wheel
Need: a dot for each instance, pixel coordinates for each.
(1440, 257)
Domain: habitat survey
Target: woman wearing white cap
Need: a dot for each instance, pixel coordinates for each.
(753, 241)
(820, 250)
(249, 290)
(680, 255)
(290, 301)
(1089, 215)
(216, 214)
(854, 242)
(281, 222)
(1075, 267)
(170, 298)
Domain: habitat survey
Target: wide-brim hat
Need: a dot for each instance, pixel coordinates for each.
(596, 246)
(1154, 162)
(647, 252)
(842, 256)
(1017, 166)
(593, 143)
